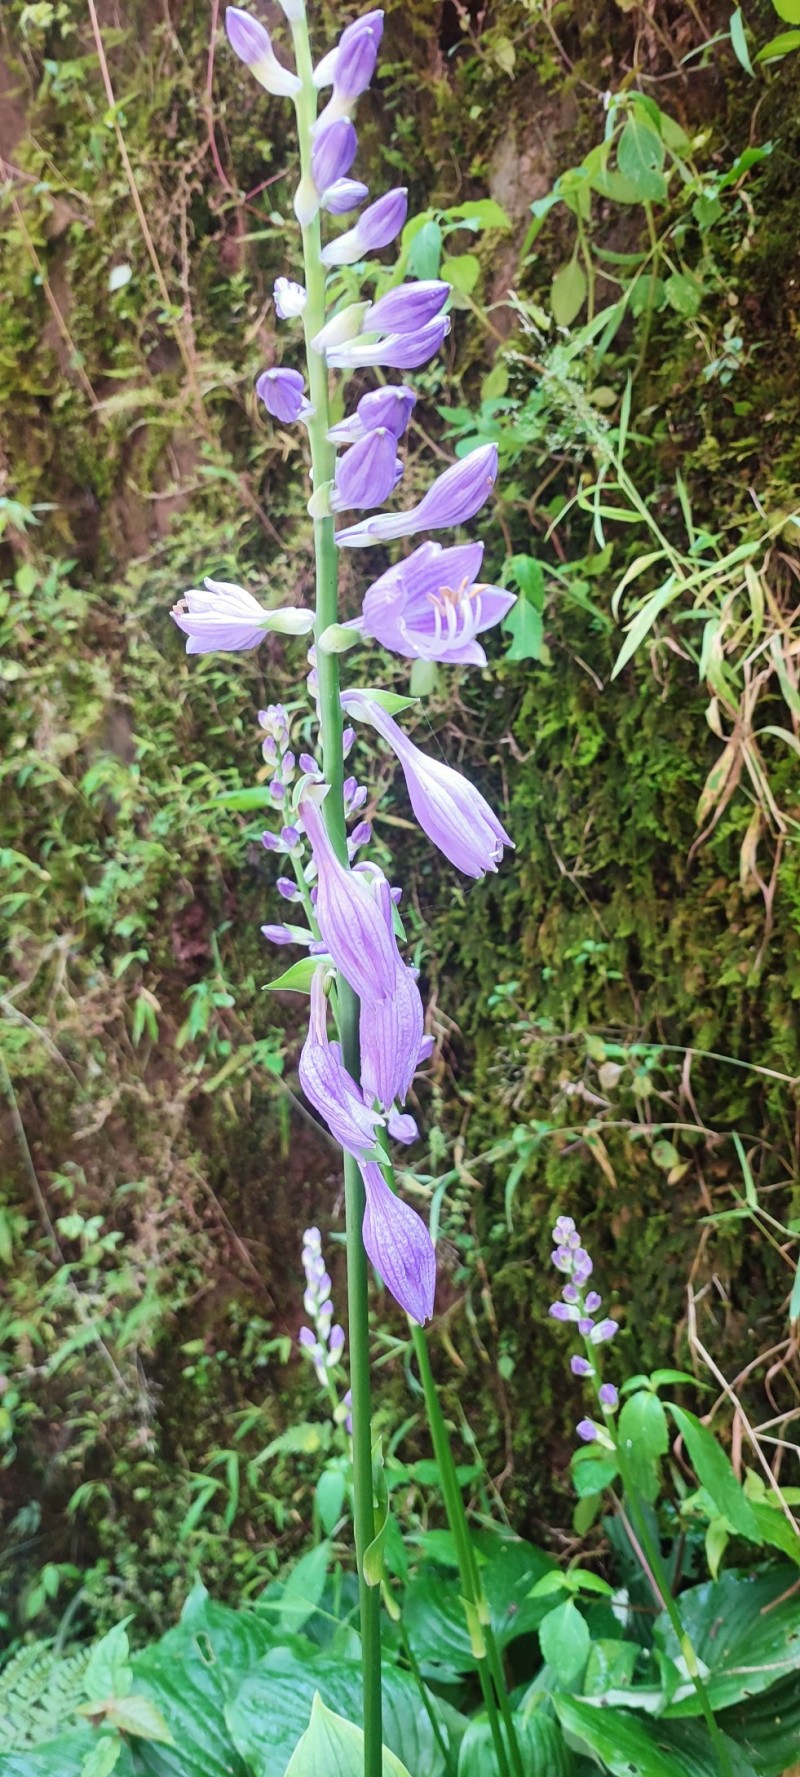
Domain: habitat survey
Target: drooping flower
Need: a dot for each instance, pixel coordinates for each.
(390, 407)
(431, 607)
(327, 1083)
(453, 814)
(399, 1246)
(367, 473)
(391, 1033)
(348, 914)
(289, 298)
(397, 351)
(376, 227)
(252, 44)
(220, 618)
(283, 395)
(454, 496)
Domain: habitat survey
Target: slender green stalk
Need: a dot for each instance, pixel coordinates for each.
(488, 1661)
(330, 717)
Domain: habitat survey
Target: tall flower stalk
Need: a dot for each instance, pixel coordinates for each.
(429, 605)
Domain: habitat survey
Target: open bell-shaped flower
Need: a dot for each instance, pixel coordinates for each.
(431, 605)
(450, 810)
(398, 1245)
(252, 44)
(221, 618)
(454, 497)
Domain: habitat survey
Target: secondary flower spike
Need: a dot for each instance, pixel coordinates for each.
(431, 606)
(455, 496)
(251, 43)
(399, 1246)
(220, 618)
(376, 228)
(453, 814)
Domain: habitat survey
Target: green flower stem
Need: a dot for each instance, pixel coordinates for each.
(330, 717)
(489, 1664)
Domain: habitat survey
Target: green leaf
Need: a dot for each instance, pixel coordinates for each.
(643, 623)
(299, 977)
(109, 1672)
(485, 211)
(462, 271)
(540, 1741)
(640, 158)
(609, 1667)
(102, 1758)
(788, 10)
(744, 1628)
(425, 256)
(528, 574)
(333, 1747)
(629, 1748)
(330, 1494)
(524, 624)
(434, 1613)
(388, 700)
(594, 1476)
(565, 1642)
(140, 1717)
(243, 800)
(304, 1588)
(644, 1438)
(683, 293)
(779, 46)
(424, 678)
(271, 1709)
(739, 40)
(714, 1472)
(794, 1299)
(568, 293)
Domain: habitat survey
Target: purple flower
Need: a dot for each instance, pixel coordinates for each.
(563, 1311)
(287, 889)
(580, 1366)
(399, 1246)
(289, 298)
(607, 1395)
(563, 1228)
(408, 307)
(344, 195)
(221, 618)
(604, 1330)
(327, 1083)
(367, 473)
(587, 1430)
(349, 916)
(341, 326)
(333, 153)
(391, 1033)
(390, 407)
(398, 351)
(450, 811)
(375, 228)
(286, 935)
(430, 606)
(455, 496)
(251, 43)
(349, 67)
(585, 1325)
(593, 1302)
(283, 394)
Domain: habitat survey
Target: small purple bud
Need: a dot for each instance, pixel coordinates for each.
(562, 1259)
(251, 43)
(607, 1395)
(343, 196)
(604, 1330)
(290, 837)
(408, 307)
(271, 842)
(570, 1294)
(593, 1302)
(580, 1366)
(585, 1326)
(559, 1310)
(308, 764)
(564, 1226)
(333, 153)
(286, 935)
(356, 56)
(361, 835)
(306, 1337)
(370, 22)
(367, 473)
(377, 227)
(587, 1430)
(277, 790)
(336, 1341)
(348, 736)
(288, 889)
(282, 392)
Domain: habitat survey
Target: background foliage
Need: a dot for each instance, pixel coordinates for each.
(615, 1014)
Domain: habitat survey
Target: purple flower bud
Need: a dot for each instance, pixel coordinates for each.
(348, 736)
(399, 1246)
(306, 1337)
(333, 153)
(402, 1127)
(454, 497)
(367, 473)
(290, 837)
(593, 1302)
(587, 1430)
(336, 1342)
(584, 1326)
(282, 392)
(308, 764)
(286, 935)
(564, 1227)
(361, 835)
(409, 307)
(288, 889)
(604, 1330)
(289, 298)
(397, 351)
(223, 618)
(390, 407)
(343, 196)
(450, 811)
(370, 24)
(251, 43)
(582, 1263)
(607, 1395)
(580, 1366)
(569, 1293)
(375, 228)
(271, 842)
(560, 1311)
(277, 790)
(562, 1259)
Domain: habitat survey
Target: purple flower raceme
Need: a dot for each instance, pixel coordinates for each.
(390, 407)
(376, 227)
(454, 496)
(398, 1245)
(577, 1307)
(325, 1344)
(283, 395)
(450, 811)
(431, 607)
(367, 473)
(220, 618)
(398, 351)
(251, 43)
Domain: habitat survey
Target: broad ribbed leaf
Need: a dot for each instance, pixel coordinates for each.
(273, 1708)
(629, 1747)
(744, 1630)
